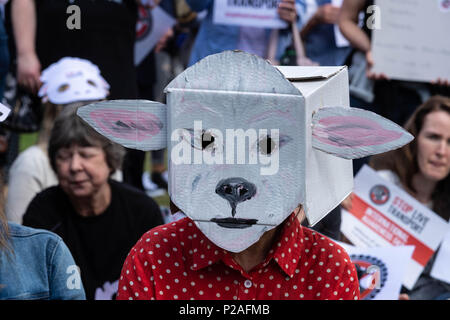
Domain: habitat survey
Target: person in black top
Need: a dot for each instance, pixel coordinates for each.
(106, 37)
(99, 219)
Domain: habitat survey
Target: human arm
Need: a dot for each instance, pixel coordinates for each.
(370, 63)
(162, 42)
(326, 14)
(348, 25)
(287, 11)
(347, 202)
(23, 16)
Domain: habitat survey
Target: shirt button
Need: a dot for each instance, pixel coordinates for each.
(247, 283)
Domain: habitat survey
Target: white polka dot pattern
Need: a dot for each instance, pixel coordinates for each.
(176, 261)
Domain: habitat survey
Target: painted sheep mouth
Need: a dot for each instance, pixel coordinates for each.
(234, 223)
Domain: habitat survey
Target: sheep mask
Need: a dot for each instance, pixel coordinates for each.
(72, 79)
(243, 149)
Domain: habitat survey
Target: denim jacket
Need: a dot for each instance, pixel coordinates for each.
(40, 267)
(214, 38)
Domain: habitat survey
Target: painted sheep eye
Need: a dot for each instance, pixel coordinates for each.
(206, 141)
(92, 83)
(267, 145)
(63, 87)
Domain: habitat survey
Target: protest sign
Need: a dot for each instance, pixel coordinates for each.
(383, 214)
(261, 13)
(411, 41)
(380, 270)
(441, 269)
(148, 32)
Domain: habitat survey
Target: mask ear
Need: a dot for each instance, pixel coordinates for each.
(135, 124)
(352, 133)
(4, 110)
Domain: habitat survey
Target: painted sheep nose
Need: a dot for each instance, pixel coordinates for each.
(235, 190)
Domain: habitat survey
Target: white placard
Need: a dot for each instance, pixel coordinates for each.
(383, 214)
(383, 270)
(441, 266)
(412, 42)
(261, 14)
(151, 26)
(4, 112)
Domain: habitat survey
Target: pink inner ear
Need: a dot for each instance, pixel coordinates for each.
(127, 124)
(351, 131)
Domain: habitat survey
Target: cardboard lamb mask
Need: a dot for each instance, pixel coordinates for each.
(72, 79)
(246, 146)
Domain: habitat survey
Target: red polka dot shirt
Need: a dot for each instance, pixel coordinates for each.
(176, 261)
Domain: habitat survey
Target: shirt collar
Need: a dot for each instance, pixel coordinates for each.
(285, 250)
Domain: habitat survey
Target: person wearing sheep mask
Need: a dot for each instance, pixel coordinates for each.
(242, 237)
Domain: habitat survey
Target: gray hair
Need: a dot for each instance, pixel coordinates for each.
(51, 111)
(69, 129)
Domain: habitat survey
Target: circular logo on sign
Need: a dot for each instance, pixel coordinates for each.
(379, 194)
(144, 24)
(444, 5)
(372, 275)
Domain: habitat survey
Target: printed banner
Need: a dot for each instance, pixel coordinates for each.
(383, 214)
(250, 13)
(441, 266)
(148, 32)
(380, 270)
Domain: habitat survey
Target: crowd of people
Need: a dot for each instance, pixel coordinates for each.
(75, 214)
